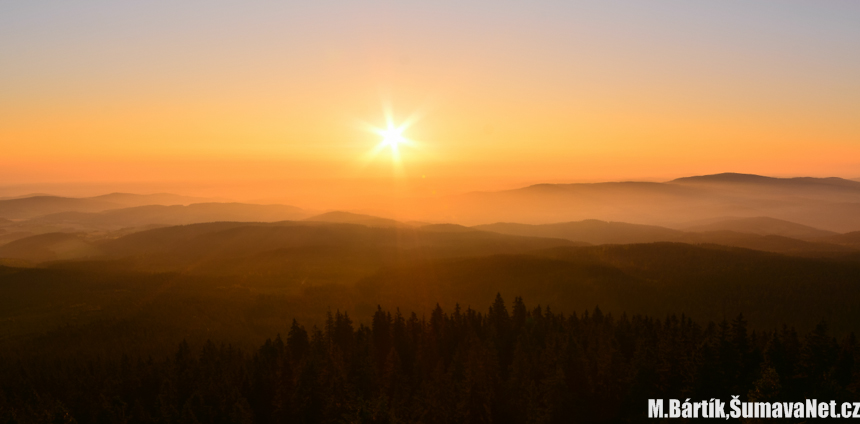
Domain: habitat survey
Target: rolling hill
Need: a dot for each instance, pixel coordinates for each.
(50, 247)
(797, 183)
(33, 206)
(590, 231)
(88, 299)
(830, 204)
(707, 283)
(285, 253)
(131, 200)
(354, 218)
(762, 225)
(226, 239)
(168, 215)
(600, 232)
(851, 239)
(768, 243)
(211, 246)
(243, 281)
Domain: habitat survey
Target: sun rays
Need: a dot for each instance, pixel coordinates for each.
(393, 139)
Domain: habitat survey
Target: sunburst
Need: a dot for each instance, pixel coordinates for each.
(392, 138)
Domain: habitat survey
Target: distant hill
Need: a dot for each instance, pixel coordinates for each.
(590, 231)
(727, 178)
(15, 263)
(170, 215)
(354, 218)
(7, 235)
(601, 232)
(763, 225)
(217, 246)
(49, 247)
(31, 207)
(830, 204)
(751, 179)
(130, 200)
(704, 282)
(767, 243)
(448, 228)
(553, 203)
(849, 239)
(288, 253)
(223, 239)
(24, 195)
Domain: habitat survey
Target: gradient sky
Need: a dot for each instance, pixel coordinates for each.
(261, 94)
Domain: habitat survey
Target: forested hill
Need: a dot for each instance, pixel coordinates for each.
(705, 282)
(108, 306)
(529, 365)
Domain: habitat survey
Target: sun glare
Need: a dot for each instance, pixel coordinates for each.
(393, 139)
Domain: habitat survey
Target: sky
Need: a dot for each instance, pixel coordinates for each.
(279, 99)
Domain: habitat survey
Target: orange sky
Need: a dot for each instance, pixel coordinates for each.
(267, 97)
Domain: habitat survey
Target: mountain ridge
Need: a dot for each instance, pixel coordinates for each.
(602, 232)
(763, 225)
(738, 178)
(342, 217)
(35, 206)
(174, 215)
(830, 204)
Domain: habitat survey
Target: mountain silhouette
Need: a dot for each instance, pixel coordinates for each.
(171, 215)
(130, 199)
(830, 204)
(752, 179)
(284, 253)
(764, 234)
(590, 231)
(30, 207)
(50, 247)
(354, 218)
(451, 228)
(762, 225)
(851, 239)
(706, 282)
(33, 206)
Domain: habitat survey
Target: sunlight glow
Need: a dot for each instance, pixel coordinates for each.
(392, 138)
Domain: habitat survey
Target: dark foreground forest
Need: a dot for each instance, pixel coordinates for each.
(523, 365)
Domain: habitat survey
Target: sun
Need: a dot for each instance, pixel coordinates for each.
(392, 137)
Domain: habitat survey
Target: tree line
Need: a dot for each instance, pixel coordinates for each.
(518, 366)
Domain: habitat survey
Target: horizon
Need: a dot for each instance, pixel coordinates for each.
(692, 199)
(208, 191)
